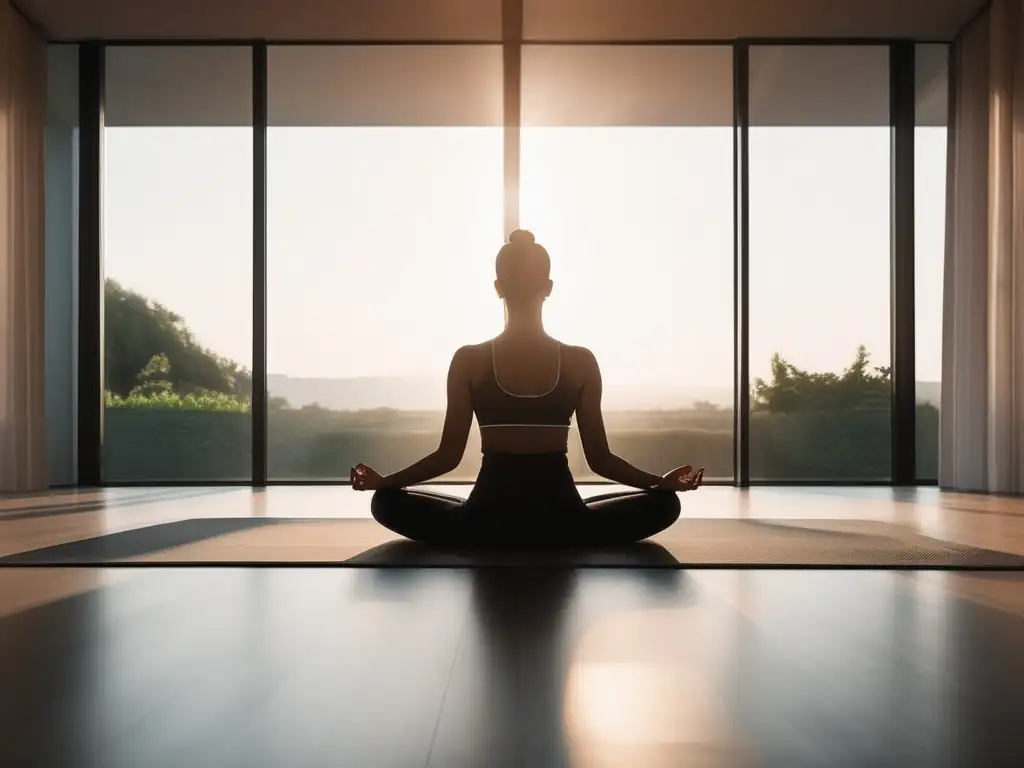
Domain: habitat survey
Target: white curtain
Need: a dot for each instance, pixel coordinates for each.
(982, 433)
(23, 454)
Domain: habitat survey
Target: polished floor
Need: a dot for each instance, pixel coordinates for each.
(452, 668)
(58, 517)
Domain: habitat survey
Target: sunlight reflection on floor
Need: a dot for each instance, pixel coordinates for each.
(635, 697)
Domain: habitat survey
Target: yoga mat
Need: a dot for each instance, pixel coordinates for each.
(690, 543)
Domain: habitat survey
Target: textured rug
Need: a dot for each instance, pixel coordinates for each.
(690, 543)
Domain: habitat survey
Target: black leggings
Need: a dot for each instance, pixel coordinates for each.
(523, 500)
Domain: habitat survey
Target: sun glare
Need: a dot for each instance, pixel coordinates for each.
(629, 214)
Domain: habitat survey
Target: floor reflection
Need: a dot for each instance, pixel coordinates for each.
(531, 683)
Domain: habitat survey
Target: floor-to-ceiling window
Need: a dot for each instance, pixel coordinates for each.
(930, 137)
(177, 233)
(384, 213)
(627, 179)
(820, 263)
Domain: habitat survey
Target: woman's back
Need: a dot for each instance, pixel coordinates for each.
(524, 390)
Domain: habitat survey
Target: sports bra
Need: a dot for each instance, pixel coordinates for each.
(494, 406)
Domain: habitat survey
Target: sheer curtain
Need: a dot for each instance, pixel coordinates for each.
(23, 454)
(982, 437)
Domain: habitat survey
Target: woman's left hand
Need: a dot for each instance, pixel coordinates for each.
(680, 480)
(365, 478)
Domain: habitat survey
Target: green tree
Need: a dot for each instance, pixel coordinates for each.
(155, 377)
(792, 390)
(147, 343)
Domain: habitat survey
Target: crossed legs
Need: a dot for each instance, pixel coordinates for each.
(607, 520)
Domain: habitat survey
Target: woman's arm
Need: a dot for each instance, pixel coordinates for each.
(595, 438)
(457, 421)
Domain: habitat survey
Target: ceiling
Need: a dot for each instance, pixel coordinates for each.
(461, 85)
(408, 20)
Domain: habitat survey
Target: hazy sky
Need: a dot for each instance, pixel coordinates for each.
(382, 243)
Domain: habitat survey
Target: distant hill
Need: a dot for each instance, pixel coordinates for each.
(406, 394)
(929, 392)
(412, 394)
(421, 394)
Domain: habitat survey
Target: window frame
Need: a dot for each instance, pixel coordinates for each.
(902, 95)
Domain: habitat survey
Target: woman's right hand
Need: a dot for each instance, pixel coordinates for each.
(680, 479)
(364, 478)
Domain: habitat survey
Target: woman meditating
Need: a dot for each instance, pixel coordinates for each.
(524, 386)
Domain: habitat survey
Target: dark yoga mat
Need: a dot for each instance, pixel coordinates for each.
(691, 543)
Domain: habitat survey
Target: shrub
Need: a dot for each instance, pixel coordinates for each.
(172, 401)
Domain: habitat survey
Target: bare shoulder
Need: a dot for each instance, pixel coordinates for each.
(473, 351)
(579, 359)
(578, 354)
(468, 357)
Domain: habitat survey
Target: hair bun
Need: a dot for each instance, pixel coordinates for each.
(521, 237)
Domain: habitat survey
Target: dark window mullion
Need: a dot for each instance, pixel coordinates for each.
(259, 265)
(90, 264)
(741, 271)
(902, 96)
(512, 85)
